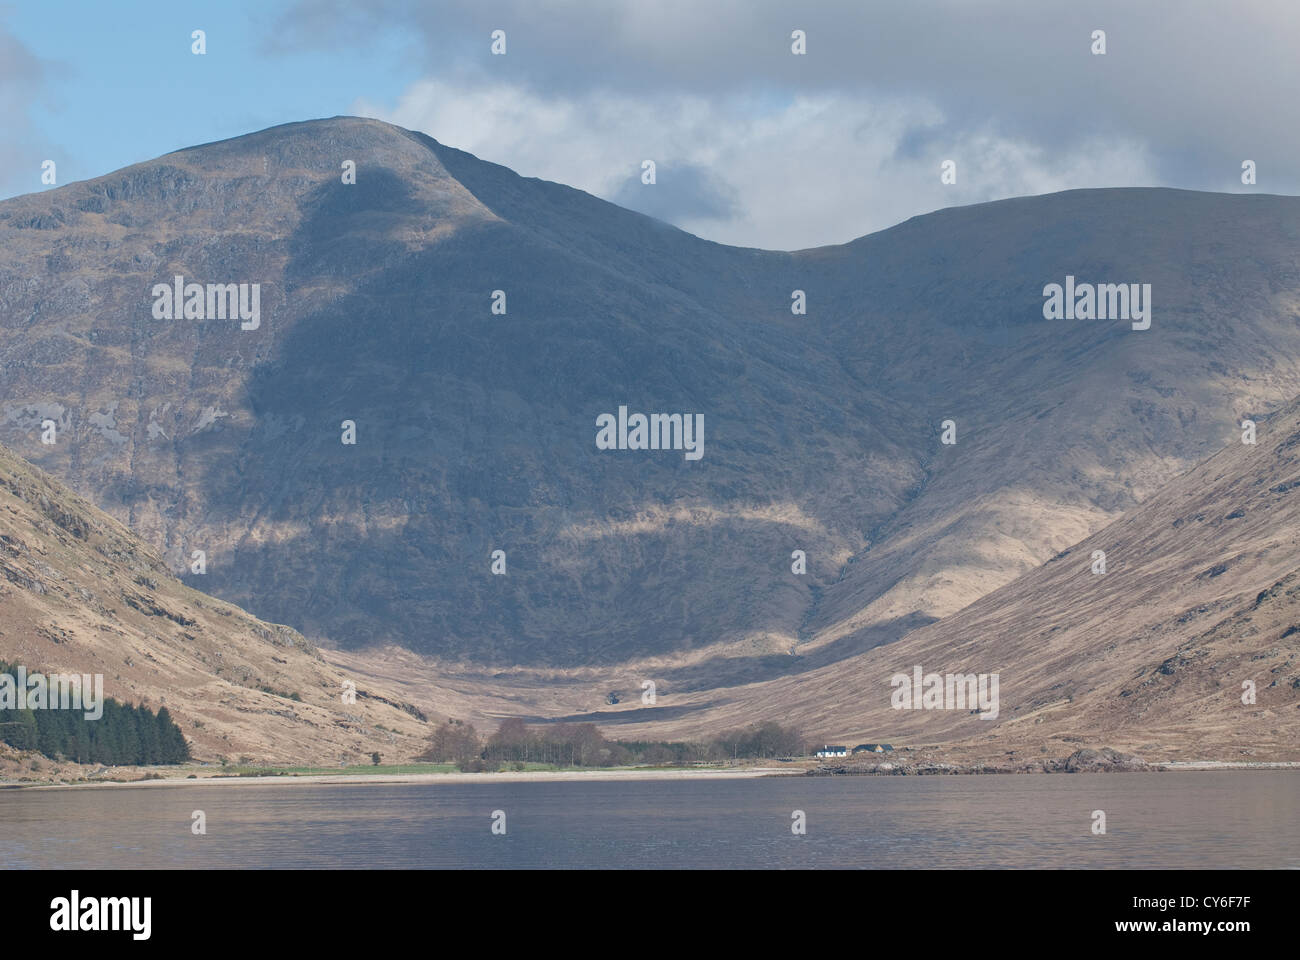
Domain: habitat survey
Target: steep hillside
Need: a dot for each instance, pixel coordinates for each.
(476, 431)
(1200, 595)
(79, 593)
(1062, 425)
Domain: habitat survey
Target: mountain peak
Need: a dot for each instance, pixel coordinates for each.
(313, 144)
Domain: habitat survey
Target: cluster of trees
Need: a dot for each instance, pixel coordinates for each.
(123, 735)
(454, 742)
(583, 745)
(562, 744)
(764, 740)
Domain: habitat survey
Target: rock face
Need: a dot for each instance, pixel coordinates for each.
(1105, 760)
(475, 431)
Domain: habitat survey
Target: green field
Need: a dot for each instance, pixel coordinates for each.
(241, 770)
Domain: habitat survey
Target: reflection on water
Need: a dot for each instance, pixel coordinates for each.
(1200, 819)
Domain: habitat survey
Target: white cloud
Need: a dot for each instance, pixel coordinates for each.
(811, 170)
(822, 147)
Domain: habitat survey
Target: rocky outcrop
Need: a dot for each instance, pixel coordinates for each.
(1104, 760)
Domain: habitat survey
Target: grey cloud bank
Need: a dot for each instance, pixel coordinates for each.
(1010, 91)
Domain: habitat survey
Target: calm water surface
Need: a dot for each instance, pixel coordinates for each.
(1210, 819)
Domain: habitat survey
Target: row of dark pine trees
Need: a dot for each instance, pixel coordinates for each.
(123, 735)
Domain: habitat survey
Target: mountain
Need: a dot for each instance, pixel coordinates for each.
(477, 431)
(81, 594)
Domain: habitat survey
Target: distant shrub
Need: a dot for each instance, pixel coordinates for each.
(477, 765)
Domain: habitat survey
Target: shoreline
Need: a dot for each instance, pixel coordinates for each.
(610, 776)
(544, 776)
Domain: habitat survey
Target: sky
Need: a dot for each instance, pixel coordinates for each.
(753, 144)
